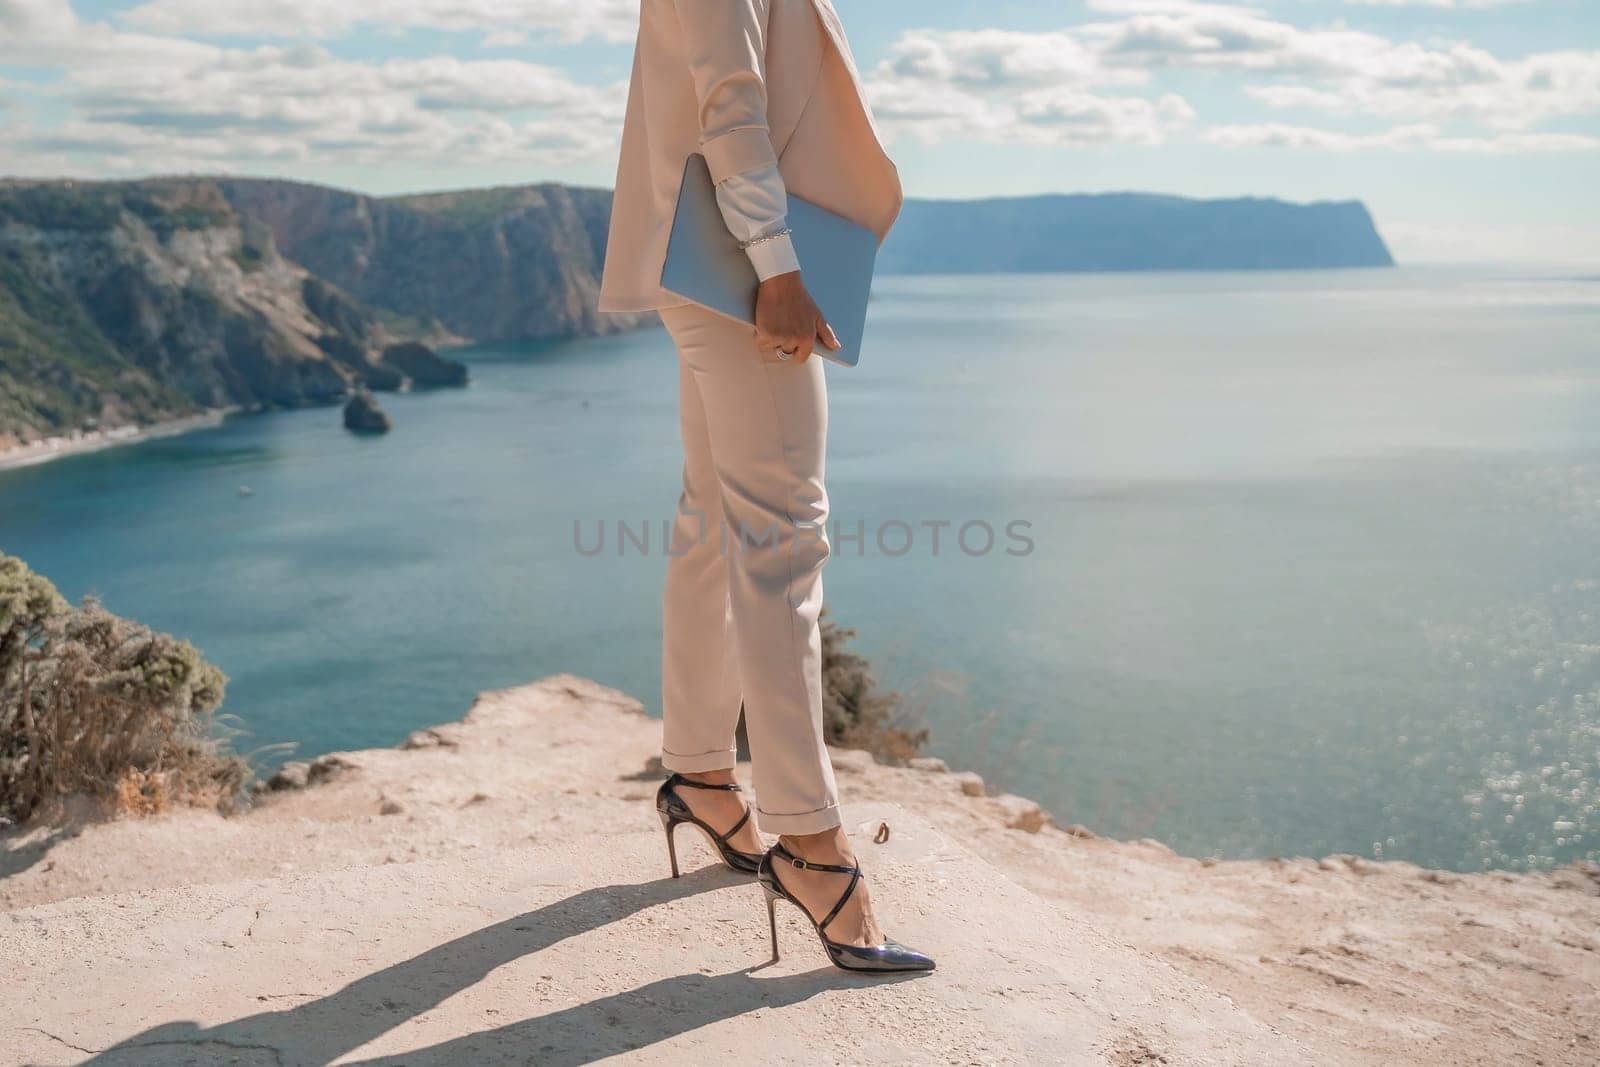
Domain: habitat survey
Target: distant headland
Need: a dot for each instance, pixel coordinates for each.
(1129, 232)
(130, 305)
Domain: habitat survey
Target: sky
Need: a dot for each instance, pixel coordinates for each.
(1470, 128)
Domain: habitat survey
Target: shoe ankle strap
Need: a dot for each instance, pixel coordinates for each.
(806, 865)
(810, 865)
(678, 779)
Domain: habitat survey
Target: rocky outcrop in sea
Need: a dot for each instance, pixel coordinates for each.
(363, 415)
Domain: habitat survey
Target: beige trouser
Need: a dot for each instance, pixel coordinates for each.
(744, 575)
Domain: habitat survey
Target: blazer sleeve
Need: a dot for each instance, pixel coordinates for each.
(725, 41)
(755, 208)
(726, 44)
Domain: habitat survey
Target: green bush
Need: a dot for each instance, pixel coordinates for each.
(855, 712)
(95, 705)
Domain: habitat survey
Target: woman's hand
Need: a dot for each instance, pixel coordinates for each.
(787, 319)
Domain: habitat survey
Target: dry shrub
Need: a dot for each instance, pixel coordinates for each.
(142, 792)
(855, 712)
(95, 705)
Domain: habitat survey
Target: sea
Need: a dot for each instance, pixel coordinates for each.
(1255, 564)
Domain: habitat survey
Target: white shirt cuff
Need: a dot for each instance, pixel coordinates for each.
(772, 258)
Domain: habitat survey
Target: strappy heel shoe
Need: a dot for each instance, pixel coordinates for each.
(674, 812)
(891, 956)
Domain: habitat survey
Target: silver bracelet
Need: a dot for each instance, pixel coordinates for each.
(767, 237)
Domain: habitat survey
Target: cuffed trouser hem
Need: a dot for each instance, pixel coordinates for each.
(725, 759)
(805, 822)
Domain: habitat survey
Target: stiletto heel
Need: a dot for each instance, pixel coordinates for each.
(889, 957)
(772, 918)
(669, 825)
(674, 812)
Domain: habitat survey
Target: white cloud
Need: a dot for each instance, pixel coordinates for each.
(612, 20)
(143, 102)
(1142, 7)
(1418, 136)
(35, 17)
(987, 84)
(47, 33)
(1352, 71)
(1076, 117)
(1159, 7)
(1054, 116)
(1280, 135)
(999, 85)
(146, 92)
(994, 58)
(1445, 4)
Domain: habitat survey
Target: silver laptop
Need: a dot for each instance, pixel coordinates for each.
(705, 264)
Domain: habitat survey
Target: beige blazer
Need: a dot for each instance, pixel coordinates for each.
(746, 83)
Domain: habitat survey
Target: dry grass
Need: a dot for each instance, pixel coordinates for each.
(94, 705)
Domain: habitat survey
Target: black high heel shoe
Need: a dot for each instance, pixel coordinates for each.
(889, 957)
(673, 811)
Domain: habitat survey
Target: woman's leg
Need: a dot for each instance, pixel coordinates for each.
(766, 427)
(760, 427)
(699, 676)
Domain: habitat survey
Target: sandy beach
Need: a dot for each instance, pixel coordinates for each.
(495, 891)
(85, 441)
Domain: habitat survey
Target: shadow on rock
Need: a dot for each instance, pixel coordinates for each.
(323, 1030)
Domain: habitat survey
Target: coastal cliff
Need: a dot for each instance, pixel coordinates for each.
(124, 304)
(130, 303)
(1128, 232)
(495, 890)
(490, 264)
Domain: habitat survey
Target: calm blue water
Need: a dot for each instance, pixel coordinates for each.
(1315, 557)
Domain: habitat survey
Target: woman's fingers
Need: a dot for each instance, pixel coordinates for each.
(774, 341)
(795, 346)
(825, 331)
(789, 321)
